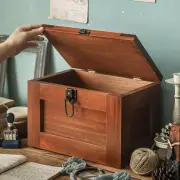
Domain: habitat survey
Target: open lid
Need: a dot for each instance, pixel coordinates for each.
(104, 52)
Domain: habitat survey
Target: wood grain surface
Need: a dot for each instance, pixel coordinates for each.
(54, 159)
(115, 111)
(104, 52)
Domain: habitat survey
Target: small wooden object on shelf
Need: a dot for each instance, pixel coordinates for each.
(105, 107)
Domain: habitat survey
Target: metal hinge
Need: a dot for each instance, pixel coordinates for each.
(84, 31)
(137, 78)
(91, 71)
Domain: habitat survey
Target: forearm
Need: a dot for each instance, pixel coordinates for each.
(4, 51)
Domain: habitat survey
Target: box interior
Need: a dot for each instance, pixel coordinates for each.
(98, 82)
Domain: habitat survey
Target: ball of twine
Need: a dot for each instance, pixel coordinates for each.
(143, 161)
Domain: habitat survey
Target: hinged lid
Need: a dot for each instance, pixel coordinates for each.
(104, 52)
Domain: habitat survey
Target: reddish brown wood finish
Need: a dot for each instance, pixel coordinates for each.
(85, 98)
(114, 121)
(175, 138)
(140, 119)
(113, 116)
(95, 81)
(93, 121)
(104, 52)
(111, 124)
(73, 147)
(34, 114)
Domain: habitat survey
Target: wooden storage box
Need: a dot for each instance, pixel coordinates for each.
(117, 105)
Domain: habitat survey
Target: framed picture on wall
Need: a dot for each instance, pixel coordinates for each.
(41, 54)
(27, 65)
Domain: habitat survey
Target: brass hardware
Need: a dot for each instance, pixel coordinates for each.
(84, 31)
(71, 97)
(137, 78)
(91, 71)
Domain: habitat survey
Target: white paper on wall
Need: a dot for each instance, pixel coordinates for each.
(70, 10)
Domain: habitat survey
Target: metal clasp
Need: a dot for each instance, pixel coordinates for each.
(91, 71)
(71, 97)
(137, 78)
(84, 31)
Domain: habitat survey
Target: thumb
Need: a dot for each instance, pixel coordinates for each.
(35, 32)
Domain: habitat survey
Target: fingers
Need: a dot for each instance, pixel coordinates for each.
(36, 32)
(31, 32)
(31, 35)
(30, 27)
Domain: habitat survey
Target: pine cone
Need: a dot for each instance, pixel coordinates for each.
(165, 132)
(167, 171)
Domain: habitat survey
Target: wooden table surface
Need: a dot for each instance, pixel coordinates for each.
(54, 159)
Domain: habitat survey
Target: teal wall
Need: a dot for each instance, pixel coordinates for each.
(156, 25)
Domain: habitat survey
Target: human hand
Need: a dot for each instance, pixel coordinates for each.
(23, 38)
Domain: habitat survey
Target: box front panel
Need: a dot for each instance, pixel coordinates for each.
(87, 127)
(73, 148)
